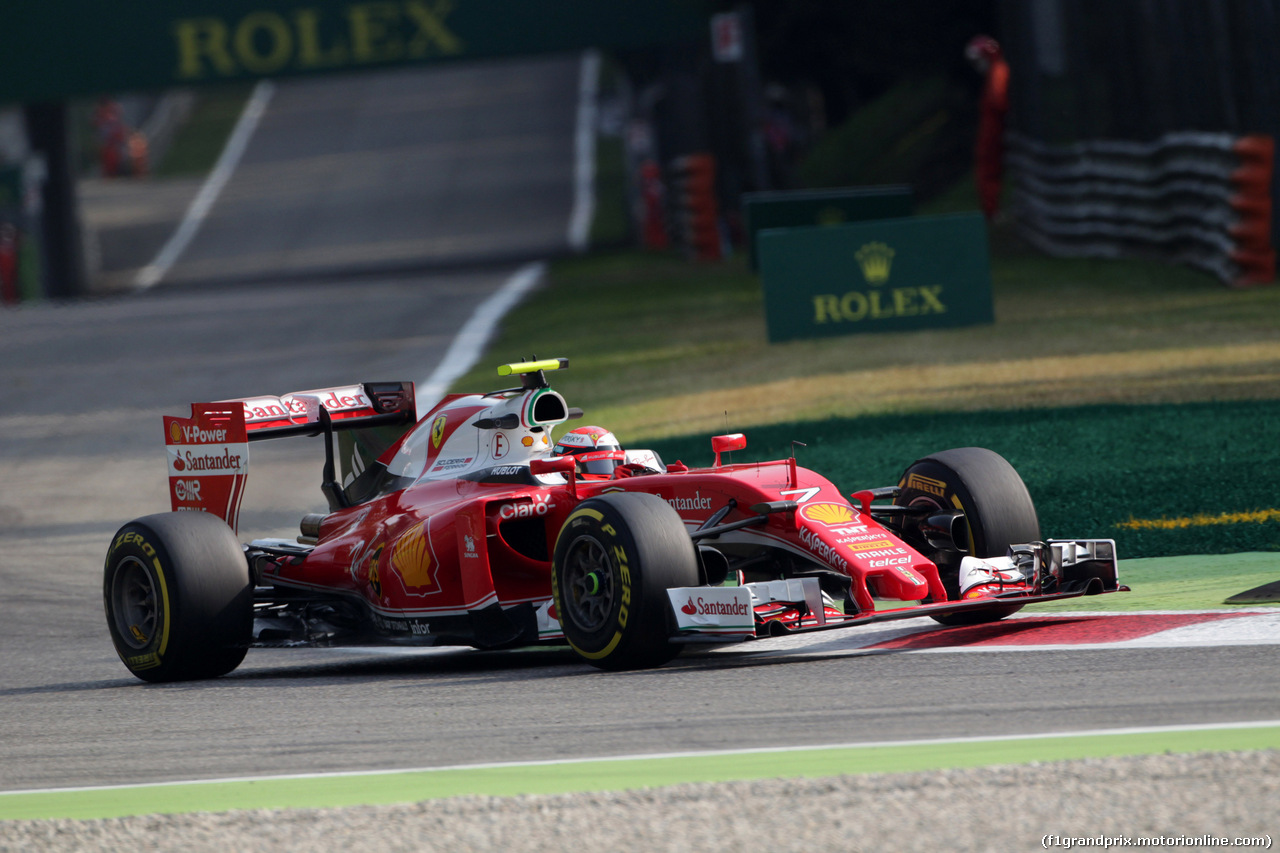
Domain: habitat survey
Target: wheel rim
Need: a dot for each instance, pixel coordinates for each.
(134, 603)
(588, 578)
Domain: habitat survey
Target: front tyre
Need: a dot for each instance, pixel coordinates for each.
(615, 559)
(997, 508)
(178, 598)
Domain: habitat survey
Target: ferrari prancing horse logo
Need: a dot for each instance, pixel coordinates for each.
(437, 431)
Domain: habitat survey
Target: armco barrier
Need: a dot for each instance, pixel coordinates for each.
(1201, 199)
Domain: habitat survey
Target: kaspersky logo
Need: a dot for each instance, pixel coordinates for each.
(875, 260)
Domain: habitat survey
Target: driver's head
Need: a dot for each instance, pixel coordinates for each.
(596, 449)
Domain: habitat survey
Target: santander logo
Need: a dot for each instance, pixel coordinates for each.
(714, 608)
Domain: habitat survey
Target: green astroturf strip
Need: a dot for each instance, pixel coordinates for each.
(1091, 470)
(609, 775)
(1200, 582)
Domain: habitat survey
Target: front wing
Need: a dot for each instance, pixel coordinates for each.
(1056, 570)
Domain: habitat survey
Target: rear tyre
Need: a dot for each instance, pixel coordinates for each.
(998, 511)
(178, 598)
(615, 559)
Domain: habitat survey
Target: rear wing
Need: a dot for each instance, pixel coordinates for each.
(208, 453)
(348, 407)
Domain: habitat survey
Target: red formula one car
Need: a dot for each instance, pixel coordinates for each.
(464, 527)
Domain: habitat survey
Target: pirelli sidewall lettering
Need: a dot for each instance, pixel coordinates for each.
(132, 544)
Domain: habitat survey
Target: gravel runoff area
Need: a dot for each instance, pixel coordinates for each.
(1184, 798)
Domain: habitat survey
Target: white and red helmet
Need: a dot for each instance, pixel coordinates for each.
(596, 449)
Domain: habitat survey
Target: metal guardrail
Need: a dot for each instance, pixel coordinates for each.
(1201, 199)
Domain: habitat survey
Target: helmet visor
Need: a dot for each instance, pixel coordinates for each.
(600, 463)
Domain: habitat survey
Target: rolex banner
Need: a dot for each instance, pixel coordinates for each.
(890, 275)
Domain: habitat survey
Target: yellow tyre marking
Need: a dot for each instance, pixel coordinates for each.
(617, 637)
(613, 644)
(164, 601)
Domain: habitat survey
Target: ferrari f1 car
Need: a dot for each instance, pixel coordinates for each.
(465, 528)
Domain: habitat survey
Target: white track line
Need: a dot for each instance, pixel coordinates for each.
(152, 273)
(584, 146)
(658, 756)
(471, 339)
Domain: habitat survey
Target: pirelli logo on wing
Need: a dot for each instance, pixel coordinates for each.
(926, 484)
(872, 545)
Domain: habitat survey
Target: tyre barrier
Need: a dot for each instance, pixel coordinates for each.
(697, 215)
(1200, 199)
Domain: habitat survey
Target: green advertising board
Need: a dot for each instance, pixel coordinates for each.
(793, 209)
(891, 275)
(54, 49)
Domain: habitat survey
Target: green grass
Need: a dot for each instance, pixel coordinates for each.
(915, 133)
(662, 347)
(199, 142)
(1119, 390)
(1092, 470)
(612, 223)
(1180, 583)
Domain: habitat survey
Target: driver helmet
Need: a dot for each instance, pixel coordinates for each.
(597, 450)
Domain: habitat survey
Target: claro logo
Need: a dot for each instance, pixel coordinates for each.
(540, 506)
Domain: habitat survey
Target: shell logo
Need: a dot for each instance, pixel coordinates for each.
(410, 557)
(175, 432)
(829, 514)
